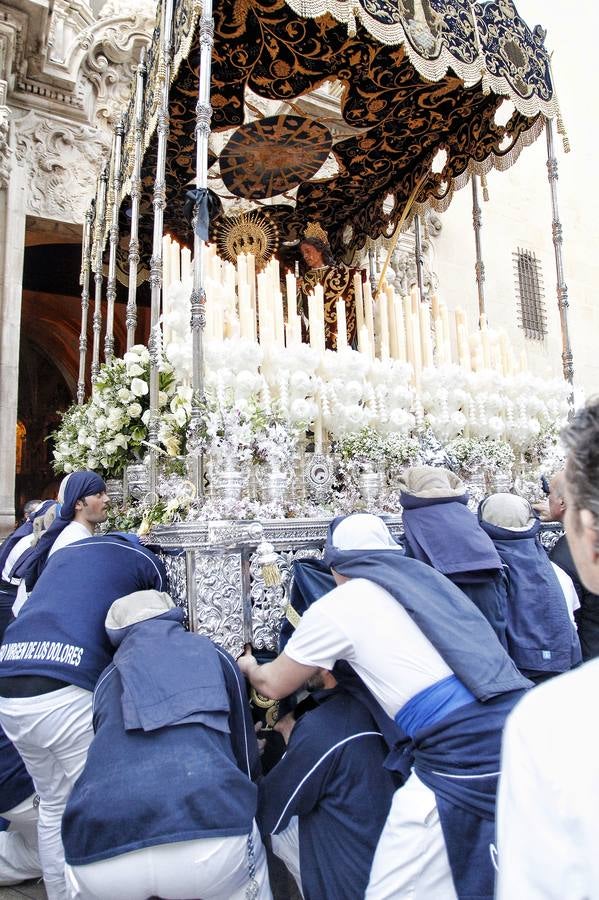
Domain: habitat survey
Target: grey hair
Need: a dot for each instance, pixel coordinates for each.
(581, 438)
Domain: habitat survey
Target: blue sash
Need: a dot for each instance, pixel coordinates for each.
(432, 704)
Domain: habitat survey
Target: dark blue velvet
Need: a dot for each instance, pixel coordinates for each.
(541, 637)
(141, 789)
(161, 689)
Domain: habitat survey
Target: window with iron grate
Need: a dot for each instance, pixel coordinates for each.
(528, 276)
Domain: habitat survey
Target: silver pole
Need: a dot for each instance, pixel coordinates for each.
(158, 203)
(131, 319)
(479, 267)
(115, 203)
(419, 257)
(198, 294)
(85, 272)
(97, 267)
(562, 287)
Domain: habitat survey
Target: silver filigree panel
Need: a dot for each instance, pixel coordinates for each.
(216, 598)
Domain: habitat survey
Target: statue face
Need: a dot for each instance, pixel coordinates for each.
(312, 256)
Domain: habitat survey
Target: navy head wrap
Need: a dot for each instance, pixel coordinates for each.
(31, 564)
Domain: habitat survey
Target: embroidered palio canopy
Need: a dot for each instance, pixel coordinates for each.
(334, 111)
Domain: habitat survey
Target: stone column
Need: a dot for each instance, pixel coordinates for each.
(12, 251)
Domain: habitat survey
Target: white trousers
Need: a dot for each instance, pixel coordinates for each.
(285, 845)
(208, 868)
(410, 860)
(19, 857)
(52, 733)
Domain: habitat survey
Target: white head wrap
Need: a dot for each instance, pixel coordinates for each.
(431, 481)
(507, 511)
(363, 531)
(137, 607)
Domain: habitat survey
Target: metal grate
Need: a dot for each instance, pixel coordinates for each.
(530, 292)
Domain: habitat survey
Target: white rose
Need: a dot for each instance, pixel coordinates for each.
(124, 395)
(101, 423)
(92, 462)
(68, 467)
(139, 388)
(110, 447)
(132, 356)
(134, 410)
(162, 398)
(144, 354)
(134, 370)
(121, 441)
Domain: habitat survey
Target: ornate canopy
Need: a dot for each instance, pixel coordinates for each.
(391, 83)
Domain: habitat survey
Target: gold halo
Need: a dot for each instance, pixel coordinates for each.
(251, 232)
(314, 230)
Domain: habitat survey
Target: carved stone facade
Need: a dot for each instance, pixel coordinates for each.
(65, 71)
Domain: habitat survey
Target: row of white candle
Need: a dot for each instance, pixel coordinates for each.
(240, 303)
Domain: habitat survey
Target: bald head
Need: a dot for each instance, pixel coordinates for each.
(557, 497)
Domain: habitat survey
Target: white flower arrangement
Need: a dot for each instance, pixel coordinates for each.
(111, 429)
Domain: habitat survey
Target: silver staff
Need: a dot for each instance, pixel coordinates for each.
(84, 281)
(97, 267)
(198, 294)
(131, 319)
(158, 203)
(115, 203)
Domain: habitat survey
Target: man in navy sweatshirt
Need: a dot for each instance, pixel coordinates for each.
(50, 660)
(325, 803)
(166, 802)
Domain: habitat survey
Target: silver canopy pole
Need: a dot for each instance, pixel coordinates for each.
(85, 273)
(97, 267)
(131, 319)
(158, 203)
(562, 287)
(198, 294)
(115, 202)
(479, 267)
(419, 257)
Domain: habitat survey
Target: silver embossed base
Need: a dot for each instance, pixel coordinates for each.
(226, 597)
(217, 576)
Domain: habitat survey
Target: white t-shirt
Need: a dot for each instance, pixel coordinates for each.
(547, 812)
(568, 590)
(17, 551)
(363, 624)
(74, 531)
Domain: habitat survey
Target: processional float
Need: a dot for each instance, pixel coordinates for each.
(246, 125)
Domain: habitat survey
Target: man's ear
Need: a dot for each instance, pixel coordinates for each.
(78, 505)
(590, 533)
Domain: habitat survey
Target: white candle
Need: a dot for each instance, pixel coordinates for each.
(369, 314)
(364, 340)
(341, 325)
(185, 263)
(384, 326)
(279, 321)
(393, 348)
(359, 301)
(426, 344)
(175, 262)
(399, 329)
